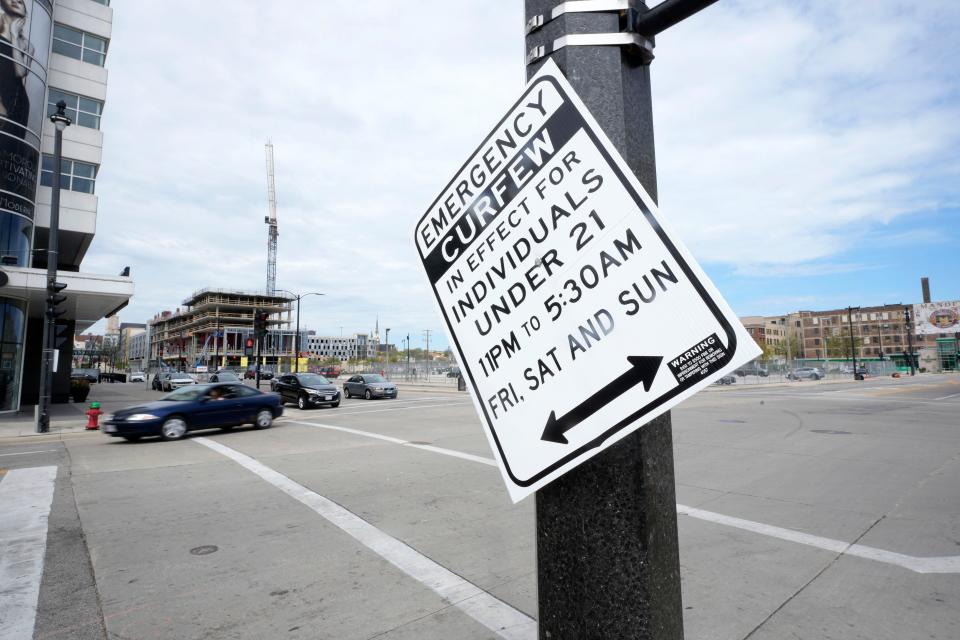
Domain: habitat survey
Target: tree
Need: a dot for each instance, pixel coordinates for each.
(789, 347)
(768, 351)
(838, 345)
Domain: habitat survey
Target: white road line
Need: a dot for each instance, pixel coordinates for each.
(348, 412)
(494, 614)
(25, 499)
(834, 397)
(952, 395)
(23, 453)
(941, 564)
(406, 443)
(398, 401)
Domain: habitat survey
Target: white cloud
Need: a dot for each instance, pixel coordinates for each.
(779, 128)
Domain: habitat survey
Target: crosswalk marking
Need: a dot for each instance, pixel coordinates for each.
(25, 499)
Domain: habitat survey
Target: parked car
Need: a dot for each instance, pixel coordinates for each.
(369, 385)
(307, 390)
(204, 406)
(454, 372)
(330, 372)
(175, 380)
(251, 374)
(137, 376)
(727, 379)
(805, 373)
(848, 370)
(752, 369)
(157, 383)
(92, 375)
(224, 376)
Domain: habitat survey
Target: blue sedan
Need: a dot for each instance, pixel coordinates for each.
(205, 406)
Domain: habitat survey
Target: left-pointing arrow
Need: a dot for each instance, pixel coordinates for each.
(642, 369)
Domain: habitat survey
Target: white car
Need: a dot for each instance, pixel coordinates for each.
(137, 376)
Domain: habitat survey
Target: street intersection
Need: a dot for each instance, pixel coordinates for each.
(808, 510)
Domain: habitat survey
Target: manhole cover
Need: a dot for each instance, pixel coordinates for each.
(204, 550)
(419, 442)
(832, 432)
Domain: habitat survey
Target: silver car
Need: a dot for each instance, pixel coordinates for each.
(369, 385)
(806, 373)
(171, 381)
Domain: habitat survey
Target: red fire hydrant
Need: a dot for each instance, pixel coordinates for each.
(93, 416)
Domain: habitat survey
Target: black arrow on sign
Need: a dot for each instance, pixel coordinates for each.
(642, 369)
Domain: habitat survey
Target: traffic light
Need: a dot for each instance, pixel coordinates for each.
(260, 324)
(248, 347)
(54, 299)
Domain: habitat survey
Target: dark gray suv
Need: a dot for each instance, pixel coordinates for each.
(307, 390)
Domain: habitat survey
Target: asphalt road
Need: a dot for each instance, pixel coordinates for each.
(809, 511)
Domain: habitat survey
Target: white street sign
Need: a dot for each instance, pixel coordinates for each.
(576, 313)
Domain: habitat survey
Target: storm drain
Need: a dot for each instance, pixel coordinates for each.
(204, 550)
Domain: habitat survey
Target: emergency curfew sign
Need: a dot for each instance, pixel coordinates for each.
(576, 313)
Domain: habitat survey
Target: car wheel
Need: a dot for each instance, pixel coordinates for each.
(368, 395)
(264, 419)
(131, 438)
(335, 404)
(346, 392)
(302, 402)
(174, 428)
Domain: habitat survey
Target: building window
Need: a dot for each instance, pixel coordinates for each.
(79, 45)
(84, 112)
(74, 175)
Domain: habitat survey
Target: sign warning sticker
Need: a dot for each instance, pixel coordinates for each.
(576, 313)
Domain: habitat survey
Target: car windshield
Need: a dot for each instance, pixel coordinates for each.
(373, 377)
(224, 376)
(186, 393)
(311, 379)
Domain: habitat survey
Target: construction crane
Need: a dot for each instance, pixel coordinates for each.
(271, 221)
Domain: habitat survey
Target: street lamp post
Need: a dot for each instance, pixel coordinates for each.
(909, 327)
(296, 355)
(60, 122)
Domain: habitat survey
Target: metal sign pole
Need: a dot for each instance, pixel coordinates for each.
(607, 552)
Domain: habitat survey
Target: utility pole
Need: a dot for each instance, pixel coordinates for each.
(426, 335)
(386, 350)
(853, 345)
(607, 552)
(408, 356)
(908, 325)
(880, 328)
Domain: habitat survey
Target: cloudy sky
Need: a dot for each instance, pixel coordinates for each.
(806, 149)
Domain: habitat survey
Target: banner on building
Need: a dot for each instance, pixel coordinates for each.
(25, 32)
(937, 317)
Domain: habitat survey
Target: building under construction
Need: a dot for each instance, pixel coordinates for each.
(212, 328)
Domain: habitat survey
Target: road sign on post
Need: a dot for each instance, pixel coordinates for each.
(577, 314)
